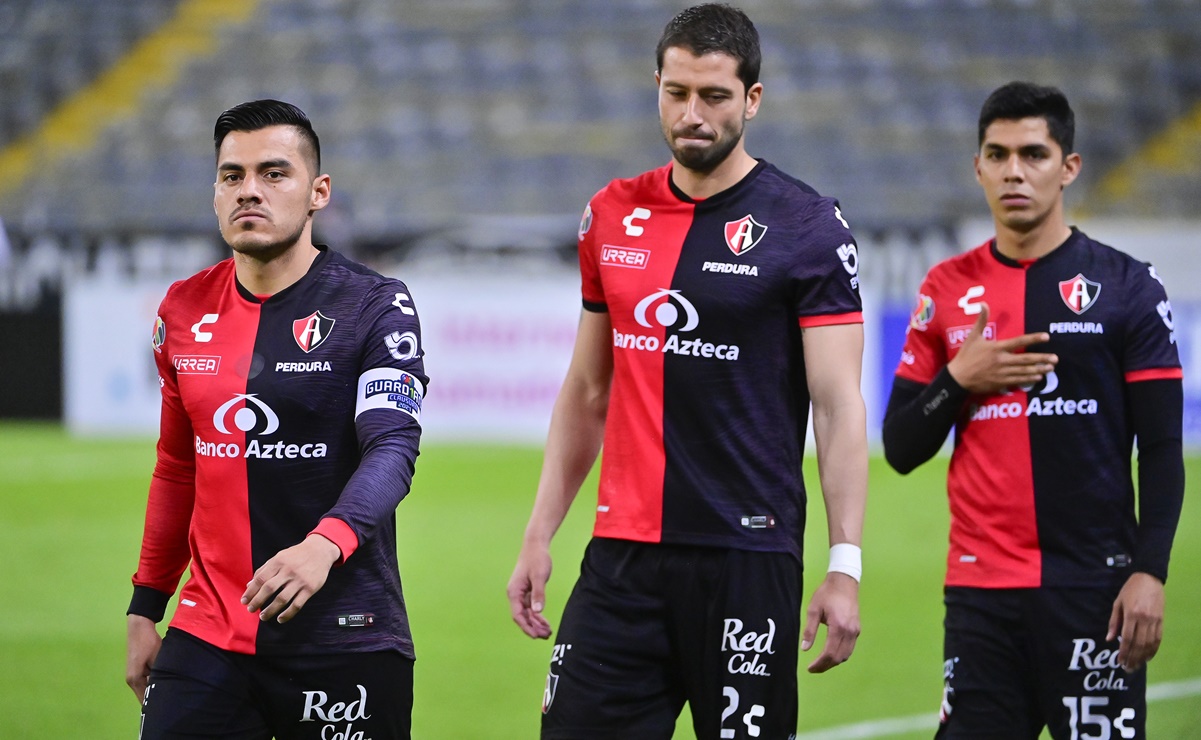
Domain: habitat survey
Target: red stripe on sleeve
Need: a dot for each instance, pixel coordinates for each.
(339, 533)
(1155, 373)
(808, 322)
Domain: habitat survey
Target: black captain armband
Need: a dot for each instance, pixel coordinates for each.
(148, 602)
(918, 419)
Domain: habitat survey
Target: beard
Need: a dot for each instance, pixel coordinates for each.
(260, 246)
(705, 159)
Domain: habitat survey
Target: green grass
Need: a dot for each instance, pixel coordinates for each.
(71, 522)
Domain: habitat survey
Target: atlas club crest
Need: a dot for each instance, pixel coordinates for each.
(1079, 293)
(312, 330)
(742, 235)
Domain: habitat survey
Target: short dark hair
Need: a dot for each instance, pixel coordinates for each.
(259, 114)
(1019, 100)
(715, 27)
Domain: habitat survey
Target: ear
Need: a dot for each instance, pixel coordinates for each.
(320, 194)
(976, 167)
(657, 78)
(1071, 169)
(754, 96)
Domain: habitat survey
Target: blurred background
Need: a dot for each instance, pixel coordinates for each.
(464, 138)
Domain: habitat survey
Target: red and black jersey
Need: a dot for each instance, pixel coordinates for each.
(709, 403)
(280, 417)
(1040, 484)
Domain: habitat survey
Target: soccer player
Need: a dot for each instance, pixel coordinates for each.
(292, 380)
(1049, 353)
(720, 298)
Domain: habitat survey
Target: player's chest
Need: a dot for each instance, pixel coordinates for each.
(1069, 303)
(280, 360)
(717, 261)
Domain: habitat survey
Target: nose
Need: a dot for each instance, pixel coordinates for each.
(1013, 168)
(692, 114)
(248, 190)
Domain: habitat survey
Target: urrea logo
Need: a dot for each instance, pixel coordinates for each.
(666, 312)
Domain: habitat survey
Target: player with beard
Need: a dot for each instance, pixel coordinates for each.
(292, 381)
(720, 298)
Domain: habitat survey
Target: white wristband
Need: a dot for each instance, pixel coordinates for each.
(846, 558)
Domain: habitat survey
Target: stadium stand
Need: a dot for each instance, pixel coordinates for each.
(434, 112)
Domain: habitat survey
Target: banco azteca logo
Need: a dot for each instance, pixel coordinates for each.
(248, 417)
(667, 312)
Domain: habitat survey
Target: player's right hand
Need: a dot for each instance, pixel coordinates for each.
(527, 590)
(984, 366)
(142, 643)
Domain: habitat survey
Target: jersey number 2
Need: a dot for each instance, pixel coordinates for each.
(748, 719)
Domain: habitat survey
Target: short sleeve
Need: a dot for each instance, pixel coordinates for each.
(1150, 351)
(825, 272)
(924, 353)
(590, 280)
(392, 366)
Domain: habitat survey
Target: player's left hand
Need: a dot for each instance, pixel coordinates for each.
(284, 584)
(1137, 618)
(836, 605)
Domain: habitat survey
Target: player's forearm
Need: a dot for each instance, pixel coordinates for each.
(165, 553)
(919, 418)
(1157, 415)
(577, 430)
(841, 437)
(378, 485)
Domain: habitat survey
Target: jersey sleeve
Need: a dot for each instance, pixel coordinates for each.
(1150, 350)
(590, 281)
(925, 351)
(825, 274)
(165, 551)
(390, 389)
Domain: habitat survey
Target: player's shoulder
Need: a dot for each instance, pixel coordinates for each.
(1101, 251)
(773, 178)
(973, 261)
(1116, 263)
(650, 185)
(212, 279)
(811, 211)
(357, 275)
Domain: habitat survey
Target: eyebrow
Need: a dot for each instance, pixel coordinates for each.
(267, 165)
(703, 89)
(1025, 148)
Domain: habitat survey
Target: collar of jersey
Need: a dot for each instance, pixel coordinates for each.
(1047, 258)
(717, 198)
(323, 253)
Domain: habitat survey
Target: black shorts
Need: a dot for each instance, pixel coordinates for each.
(650, 626)
(1016, 660)
(199, 691)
